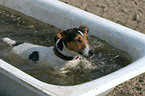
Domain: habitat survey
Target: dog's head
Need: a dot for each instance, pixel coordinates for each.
(75, 40)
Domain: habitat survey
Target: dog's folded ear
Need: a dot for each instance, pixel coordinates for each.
(84, 28)
(60, 35)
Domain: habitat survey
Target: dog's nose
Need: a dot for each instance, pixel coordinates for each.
(91, 52)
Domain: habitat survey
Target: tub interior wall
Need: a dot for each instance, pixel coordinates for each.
(36, 36)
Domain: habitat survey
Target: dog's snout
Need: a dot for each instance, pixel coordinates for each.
(91, 52)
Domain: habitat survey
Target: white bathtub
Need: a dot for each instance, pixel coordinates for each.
(14, 82)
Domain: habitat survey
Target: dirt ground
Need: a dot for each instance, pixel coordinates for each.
(129, 13)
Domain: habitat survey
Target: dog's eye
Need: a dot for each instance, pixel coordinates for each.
(88, 37)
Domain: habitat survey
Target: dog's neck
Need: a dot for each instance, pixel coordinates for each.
(62, 52)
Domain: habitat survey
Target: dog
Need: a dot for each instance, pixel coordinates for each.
(68, 51)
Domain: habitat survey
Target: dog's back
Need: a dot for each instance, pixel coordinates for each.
(40, 55)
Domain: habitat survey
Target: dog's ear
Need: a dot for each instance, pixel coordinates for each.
(84, 28)
(60, 35)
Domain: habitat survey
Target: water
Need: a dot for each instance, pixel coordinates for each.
(106, 60)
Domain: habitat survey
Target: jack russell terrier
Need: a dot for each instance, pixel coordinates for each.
(69, 49)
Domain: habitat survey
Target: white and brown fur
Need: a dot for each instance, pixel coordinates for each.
(70, 46)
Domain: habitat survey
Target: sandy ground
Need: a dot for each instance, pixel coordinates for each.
(130, 13)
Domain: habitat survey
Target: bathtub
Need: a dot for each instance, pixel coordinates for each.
(14, 82)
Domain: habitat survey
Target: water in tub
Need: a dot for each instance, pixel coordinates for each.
(106, 60)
